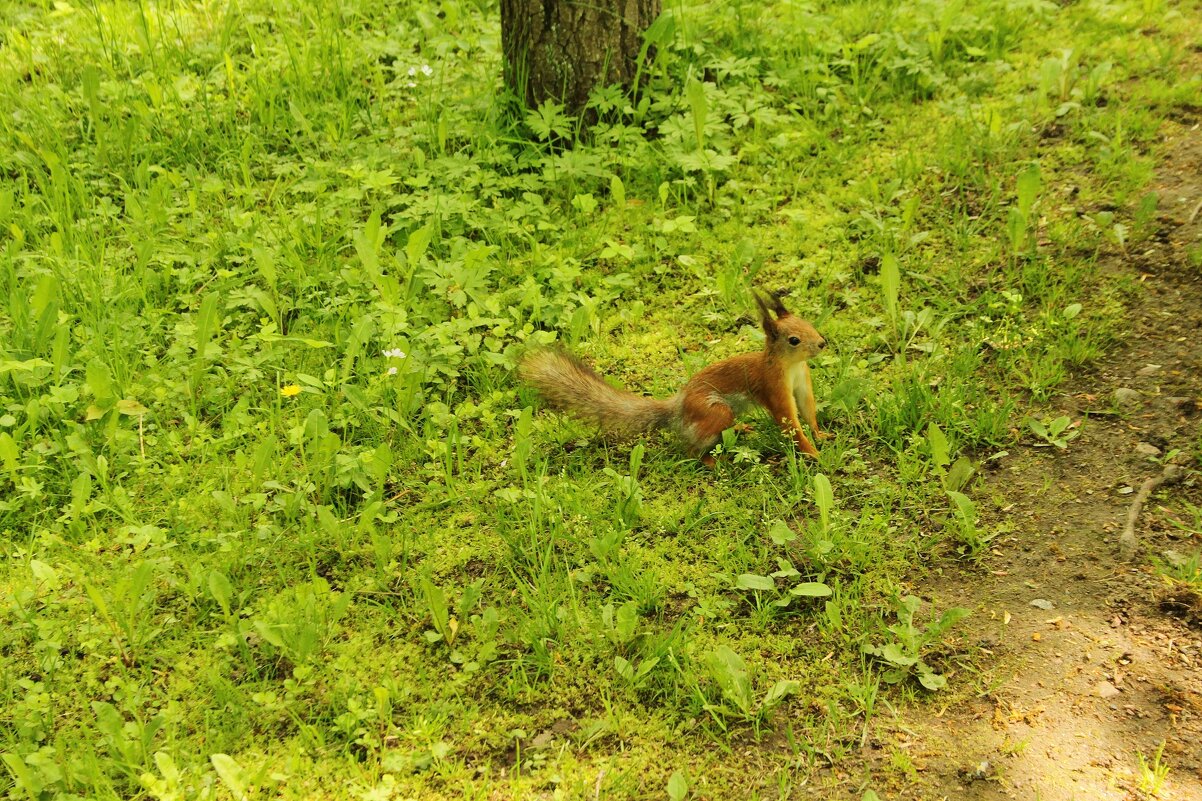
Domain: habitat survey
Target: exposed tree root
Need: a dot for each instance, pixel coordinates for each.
(1171, 474)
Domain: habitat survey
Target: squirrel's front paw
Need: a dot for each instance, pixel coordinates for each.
(822, 435)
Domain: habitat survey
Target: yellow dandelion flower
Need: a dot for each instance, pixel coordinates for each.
(290, 390)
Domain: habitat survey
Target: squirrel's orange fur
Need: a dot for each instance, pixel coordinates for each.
(776, 378)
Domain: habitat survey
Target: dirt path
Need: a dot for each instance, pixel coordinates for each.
(1111, 668)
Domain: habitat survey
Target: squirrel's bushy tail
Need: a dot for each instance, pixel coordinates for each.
(571, 385)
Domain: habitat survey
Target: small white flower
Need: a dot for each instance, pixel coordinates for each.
(392, 371)
(395, 353)
(409, 84)
(426, 70)
(412, 71)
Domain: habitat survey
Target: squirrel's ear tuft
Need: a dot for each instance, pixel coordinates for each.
(770, 329)
(770, 303)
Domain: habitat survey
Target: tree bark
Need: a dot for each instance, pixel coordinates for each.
(560, 49)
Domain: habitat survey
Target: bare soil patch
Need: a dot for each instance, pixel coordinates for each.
(1108, 664)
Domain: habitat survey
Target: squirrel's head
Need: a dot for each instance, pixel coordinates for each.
(790, 338)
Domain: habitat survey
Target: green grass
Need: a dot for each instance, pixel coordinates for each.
(243, 554)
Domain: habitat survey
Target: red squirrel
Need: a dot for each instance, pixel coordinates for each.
(776, 378)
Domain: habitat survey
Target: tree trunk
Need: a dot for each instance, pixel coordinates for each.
(560, 49)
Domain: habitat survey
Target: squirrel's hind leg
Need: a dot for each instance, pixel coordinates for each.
(702, 422)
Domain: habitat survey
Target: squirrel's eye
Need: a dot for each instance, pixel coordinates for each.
(794, 340)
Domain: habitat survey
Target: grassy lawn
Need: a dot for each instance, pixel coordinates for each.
(278, 520)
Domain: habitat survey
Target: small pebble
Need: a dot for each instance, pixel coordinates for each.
(1173, 558)
(1185, 406)
(1125, 396)
(1104, 689)
(1147, 449)
(1149, 369)
(1044, 604)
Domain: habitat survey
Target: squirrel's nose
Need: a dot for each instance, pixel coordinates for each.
(821, 344)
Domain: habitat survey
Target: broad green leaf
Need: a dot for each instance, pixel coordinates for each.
(964, 506)
(779, 692)
(108, 719)
(585, 203)
(751, 581)
(1016, 228)
(25, 366)
(269, 633)
(206, 323)
(730, 673)
(617, 191)
(367, 247)
(230, 773)
(362, 333)
(786, 569)
(834, 617)
(948, 619)
(44, 574)
(780, 533)
(822, 546)
(469, 599)
(932, 681)
(626, 620)
(436, 603)
(22, 776)
(1028, 185)
(647, 665)
(131, 407)
(264, 457)
(678, 786)
(102, 608)
(824, 498)
(890, 285)
(265, 302)
(222, 591)
(811, 589)
(959, 474)
(166, 766)
(940, 457)
(45, 295)
(865, 41)
(380, 464)
(9, 453)
(265, 262)
(99, 382)
(415, 246)
(893, 653)
(81, 493)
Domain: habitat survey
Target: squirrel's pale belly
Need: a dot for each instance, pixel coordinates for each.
(798, 377)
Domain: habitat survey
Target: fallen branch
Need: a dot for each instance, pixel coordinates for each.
(1172, 474)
